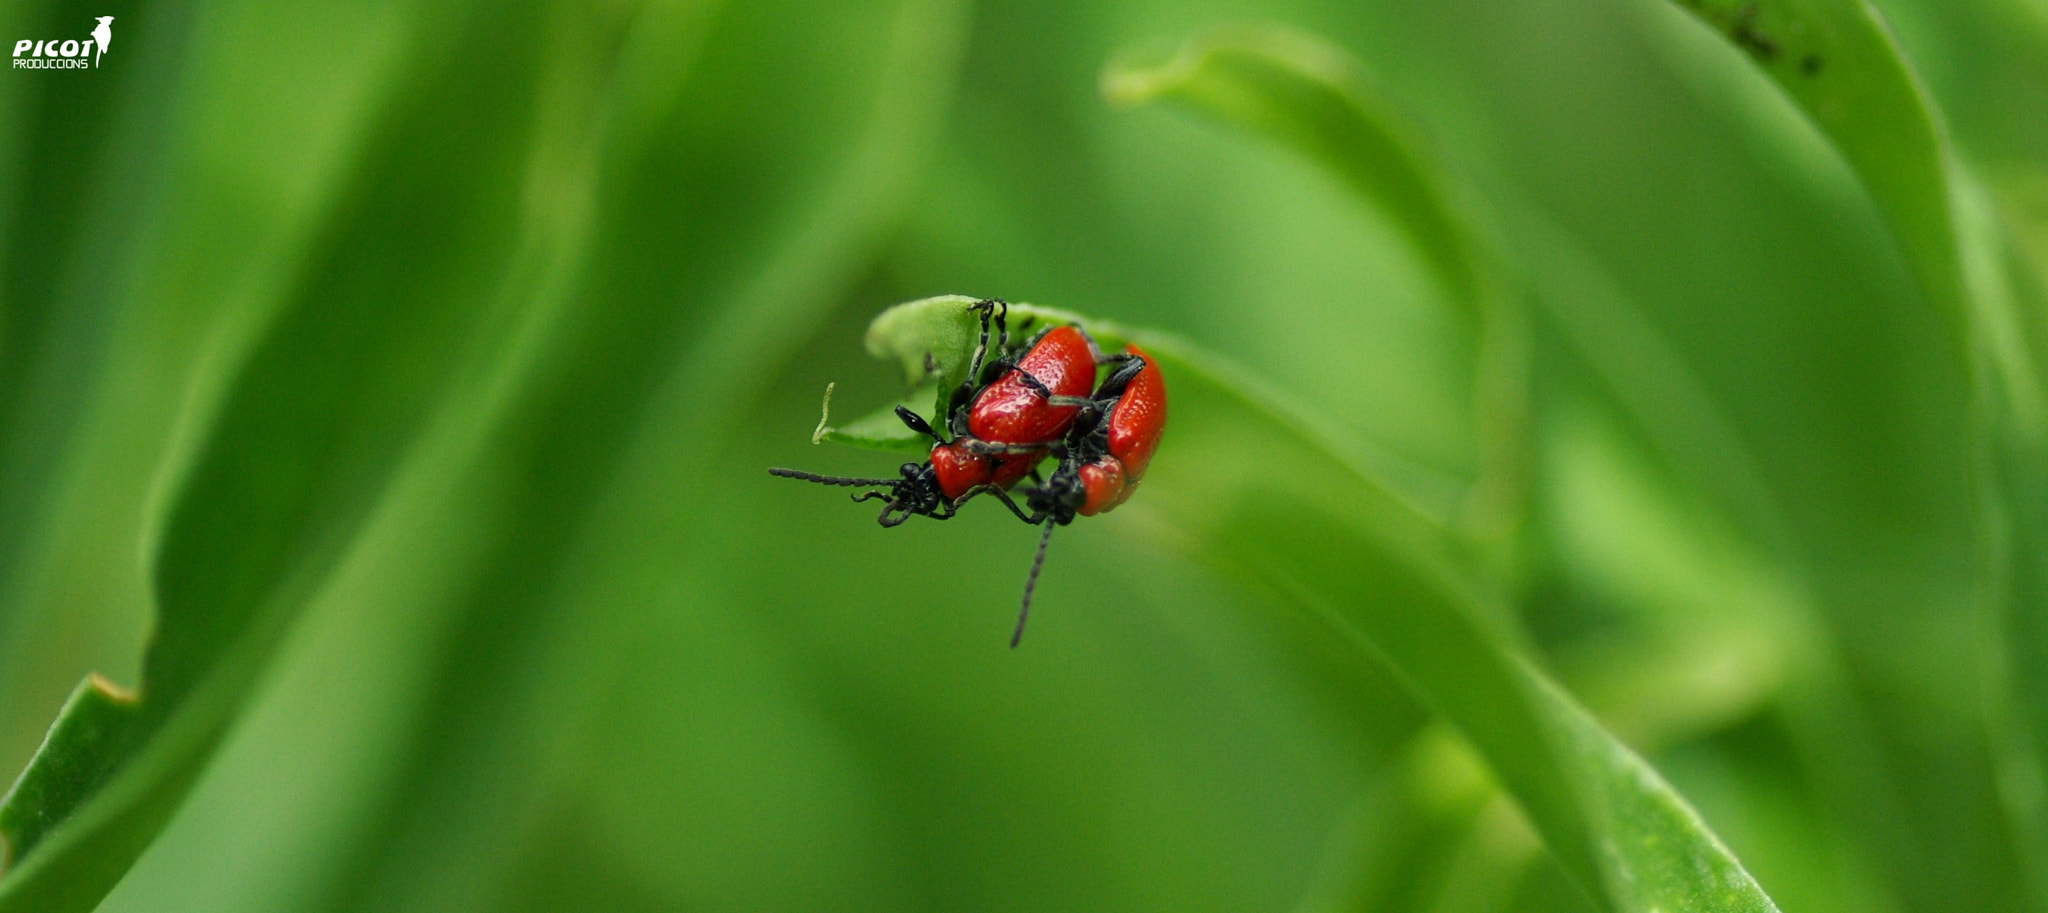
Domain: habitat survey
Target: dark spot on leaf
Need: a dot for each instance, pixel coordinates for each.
(1810, 64)
(1744, 33)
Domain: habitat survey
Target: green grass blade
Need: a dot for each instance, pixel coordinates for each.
(1840, 64)
(1247, 480)
(1837, 60)
(73, 761)
(437, 457)
(441, 341)
(1312, 96)
(1317, 99)
(260, 517)
(1603, 811)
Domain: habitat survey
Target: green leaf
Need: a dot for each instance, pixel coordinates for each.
(1837, 60)
(243, 545)
(476, 329)
(1314, 97)
(879, 430)
(73, 761)
(1311, 95)
(1246, 480)
(931, 338)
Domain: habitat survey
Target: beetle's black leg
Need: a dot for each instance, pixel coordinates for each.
(1031, 382)
(901, 510)
(880, 496)
(996, 369)
(1003, 496)
(956, 408)
(1002, 325)
(1037, 386)
(1113, 385)
(1094, 349)
(917, 423)
(999, 310)
(991, 448)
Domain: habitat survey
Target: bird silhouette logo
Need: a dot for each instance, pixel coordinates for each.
(102, 36)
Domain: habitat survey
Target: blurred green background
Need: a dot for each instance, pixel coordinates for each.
(449, 341)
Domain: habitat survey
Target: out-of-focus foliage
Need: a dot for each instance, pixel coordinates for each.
(410, 369)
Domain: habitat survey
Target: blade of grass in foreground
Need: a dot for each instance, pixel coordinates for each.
(1615, 825)
(420, 428)
(1838, 62)
(1246, 479)
(257, 522)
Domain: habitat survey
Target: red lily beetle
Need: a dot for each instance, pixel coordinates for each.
(1104, 456)
(1006, 418)
(1132, 431)
(1010, 415)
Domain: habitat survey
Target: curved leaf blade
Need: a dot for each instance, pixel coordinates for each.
(275, 485)
(1837, 60)
(409, 345)
(1315, 98)
(73, 761)
(1249, 482)
(1603, 811)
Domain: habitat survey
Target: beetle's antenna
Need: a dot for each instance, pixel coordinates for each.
(800, 475)
(1031, 583)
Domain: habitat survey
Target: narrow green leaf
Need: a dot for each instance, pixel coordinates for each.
(73, 761)
(1838, 61)
(1603, 811)
(1316, 98)
(1246, 480)
(179, 309)
(317, 421)
(1311, 95)
(491, 320)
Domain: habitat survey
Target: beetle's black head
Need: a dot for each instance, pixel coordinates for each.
(1062, 495)
(914, 492)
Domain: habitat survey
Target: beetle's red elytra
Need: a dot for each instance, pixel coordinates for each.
(1138, 419)
(1133, 428)
(1020, 407)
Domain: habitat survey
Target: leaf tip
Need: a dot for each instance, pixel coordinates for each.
(824, 417)
(110, 690)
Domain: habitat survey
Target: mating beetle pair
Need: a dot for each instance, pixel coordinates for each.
(1014, 411)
